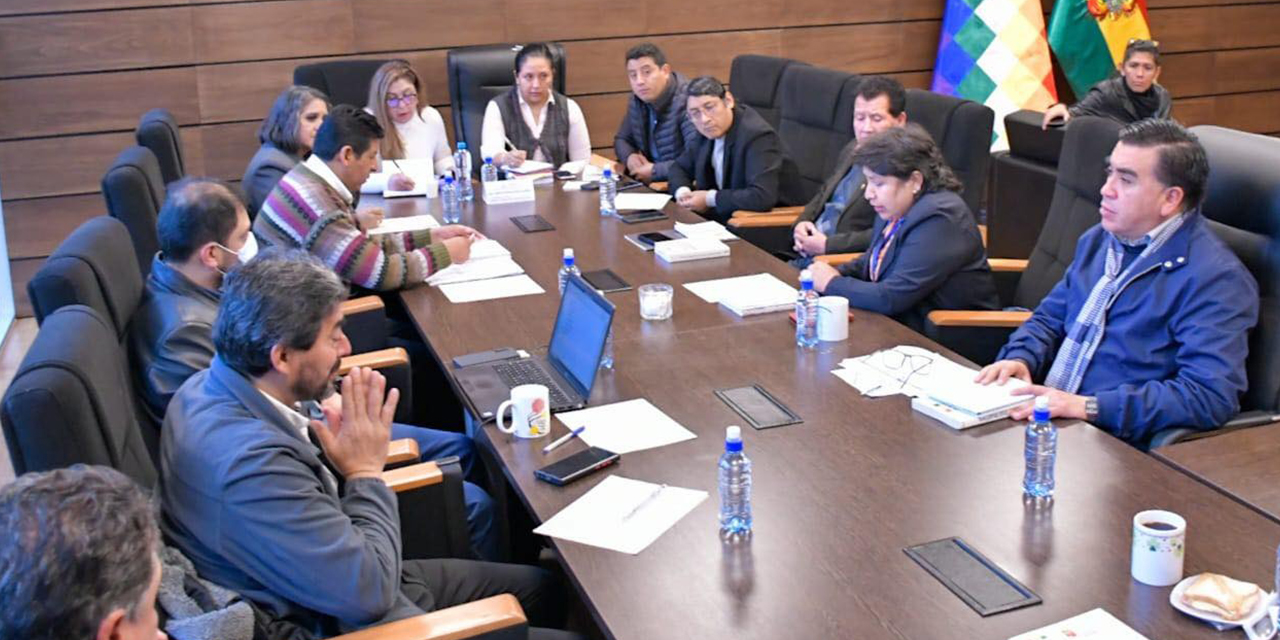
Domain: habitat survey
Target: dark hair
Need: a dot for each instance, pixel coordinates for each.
(346, 126)
(535, 50)
(198, 211)
(280, 127)
(705, 86)
(901, 151)
(647, 50)
(78, 544)
(872, 86)
(1183, 161)
(1138, 45)
(281, 297)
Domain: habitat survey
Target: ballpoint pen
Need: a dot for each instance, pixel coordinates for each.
(563, 439)
(644, 503)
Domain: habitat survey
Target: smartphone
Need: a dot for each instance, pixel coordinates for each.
(576, 466)
(653, 237)
(606, 280)
(645, 215)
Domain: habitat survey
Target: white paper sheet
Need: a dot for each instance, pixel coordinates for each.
(918, 372)
(714, 291)
(472, 270)
(638, 201)
(531, 166)
(622, 514)
(708, 229)
(474, 291)
(488, 248)
(421, 170)
(623, 427)
(1090, 625)
(405, 223)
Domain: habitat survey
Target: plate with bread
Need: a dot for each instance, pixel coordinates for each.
(1218, 599)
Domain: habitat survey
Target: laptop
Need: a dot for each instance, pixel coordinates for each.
(569, 368)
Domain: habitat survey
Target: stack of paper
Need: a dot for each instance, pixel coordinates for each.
(687, 249)
(623, 427)
(622, 514)
(1090, 625)
(531, 166)
(708, 229)
(641, 201)
(746, 295)
(421, 171)
(405, 223)
(489, 259)
(477, 290)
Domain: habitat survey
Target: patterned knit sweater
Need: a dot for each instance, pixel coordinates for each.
(304, 212)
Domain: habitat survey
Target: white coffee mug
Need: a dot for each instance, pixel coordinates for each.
(530, 412)
(833, 318)
(1159, 545)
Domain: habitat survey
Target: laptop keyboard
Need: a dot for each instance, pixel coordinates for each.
(527, 371)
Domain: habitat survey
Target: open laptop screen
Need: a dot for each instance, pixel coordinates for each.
(578, 338)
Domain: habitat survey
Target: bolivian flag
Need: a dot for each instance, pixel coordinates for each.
(1089, 37)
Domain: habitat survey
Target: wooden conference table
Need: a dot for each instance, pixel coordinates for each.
(1242, 464)
(836, 498)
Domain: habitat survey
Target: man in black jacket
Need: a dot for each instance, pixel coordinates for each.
(656, 128)
(738, 163)
(839, 219)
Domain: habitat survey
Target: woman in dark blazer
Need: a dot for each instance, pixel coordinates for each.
(926, 252)
(286, 134)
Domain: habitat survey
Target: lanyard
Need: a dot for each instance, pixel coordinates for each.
(878, 255)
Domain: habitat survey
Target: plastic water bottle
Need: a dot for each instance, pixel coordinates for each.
(735, 486)
(1041, 452)
(450, 201)
(462, 168)
(488, 172)
(807, 312)
(606, 358)
(608, 194)
(569, 269)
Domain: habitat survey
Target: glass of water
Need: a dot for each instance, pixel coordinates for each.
(655, 301)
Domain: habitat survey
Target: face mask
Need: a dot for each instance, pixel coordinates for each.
(245, 254)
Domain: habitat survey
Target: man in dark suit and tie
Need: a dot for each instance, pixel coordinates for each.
(738, 163)
(839, 219)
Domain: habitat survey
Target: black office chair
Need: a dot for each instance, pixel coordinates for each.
(1021, 185)
(480, 74)
(344, 81)
(815, 121)
(1242, 206)
(95, 267)
(159, 132)
(135, 190)
(978, 335)
(756, 81)
(962, 128)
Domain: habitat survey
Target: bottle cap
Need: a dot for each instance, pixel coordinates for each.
(806, 280)
(448, 179)
(1041, 411)
(462, 145)
(488, 159)
(608, 173)
(568, 252)
(733, 438)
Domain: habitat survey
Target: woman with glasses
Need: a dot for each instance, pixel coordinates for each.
(926, 251)
(1131, 96)
(413, 129)
(533, 121)
(286, 134)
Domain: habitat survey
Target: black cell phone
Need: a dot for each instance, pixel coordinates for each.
(481, 357)
(653, 237)
(530, 224)
(576, 466)
(606, 280)
(564, 175)
(645, 215)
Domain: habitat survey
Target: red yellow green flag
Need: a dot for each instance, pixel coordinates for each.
(1089, 37)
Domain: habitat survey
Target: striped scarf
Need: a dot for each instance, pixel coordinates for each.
(1085, 334)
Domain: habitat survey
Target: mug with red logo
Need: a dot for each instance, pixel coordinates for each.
(530, 412)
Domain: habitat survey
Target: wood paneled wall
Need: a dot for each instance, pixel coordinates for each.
(75, 75)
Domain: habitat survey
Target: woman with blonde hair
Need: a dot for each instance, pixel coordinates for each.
(414, 129)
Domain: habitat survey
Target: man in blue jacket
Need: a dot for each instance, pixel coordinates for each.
(1149, 328)
(656, 128)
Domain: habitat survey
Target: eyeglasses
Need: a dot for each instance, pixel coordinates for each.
(904, 365)
(707, 111)
(406, 99)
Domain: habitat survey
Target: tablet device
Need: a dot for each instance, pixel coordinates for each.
(576, 466)
(606, 280)
(645, 215)
(530, 224)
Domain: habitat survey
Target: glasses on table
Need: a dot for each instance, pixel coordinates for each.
(407, 99)
(904, 365)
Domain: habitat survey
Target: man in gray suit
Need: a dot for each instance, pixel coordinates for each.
(838, 219)
(310, 534)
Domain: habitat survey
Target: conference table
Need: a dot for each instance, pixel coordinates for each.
(1241, 464)
(836, 498)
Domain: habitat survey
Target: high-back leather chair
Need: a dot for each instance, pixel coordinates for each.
(978, 335)
(479, 74)
(95, 267)
(962, 129)
(135, 191)
(1020, 188)
(815, 121)
(1242, 205)
(158, 131)
(72, 401)
(344, 81)
(756, 81)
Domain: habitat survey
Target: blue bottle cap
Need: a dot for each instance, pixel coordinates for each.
(608, 173)
(462, 145)
(448, 179)
(488, 159)
(1040, 412)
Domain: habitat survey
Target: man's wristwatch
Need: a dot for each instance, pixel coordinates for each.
(1091, 409)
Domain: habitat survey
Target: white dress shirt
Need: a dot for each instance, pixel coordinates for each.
(717, 163)
(422, 138)
(494, 132)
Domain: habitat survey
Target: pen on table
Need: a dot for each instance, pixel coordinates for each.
(563, 439)
(644, 502)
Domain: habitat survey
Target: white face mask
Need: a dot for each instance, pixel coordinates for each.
(245, 254)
